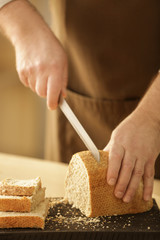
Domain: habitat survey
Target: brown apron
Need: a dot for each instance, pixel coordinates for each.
(113, 49)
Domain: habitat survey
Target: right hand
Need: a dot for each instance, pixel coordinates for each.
(42, 65)
(40, 58)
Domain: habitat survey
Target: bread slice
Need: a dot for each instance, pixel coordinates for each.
(14, 187)
(34, 219)
(21, 203)
(87, 189)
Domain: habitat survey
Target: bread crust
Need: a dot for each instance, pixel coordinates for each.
(22, 204)
(22, 222)
(33, 219)
(101, 196)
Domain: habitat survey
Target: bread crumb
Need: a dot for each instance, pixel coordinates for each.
(63, 217)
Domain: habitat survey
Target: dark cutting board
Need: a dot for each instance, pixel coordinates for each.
(65, 222)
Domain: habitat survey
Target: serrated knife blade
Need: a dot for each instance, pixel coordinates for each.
(79, 128)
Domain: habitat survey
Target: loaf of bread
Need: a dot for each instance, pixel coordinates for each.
(86, 188)
(21, 203)
(33, 219)
(14, 187)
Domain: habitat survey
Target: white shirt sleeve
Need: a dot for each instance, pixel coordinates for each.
(3, 2)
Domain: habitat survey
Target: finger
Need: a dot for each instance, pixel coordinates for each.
(125, 174)
(31, 73)
(41, 86)
(116, 153)
(135, 180)
(148, 180)
(65, 81)
(32, 82)
(23, 78)
(64, 92)
(53, 92)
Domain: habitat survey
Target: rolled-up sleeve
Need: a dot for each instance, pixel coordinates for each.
(3, 2)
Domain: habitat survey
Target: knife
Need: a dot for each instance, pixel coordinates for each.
(79, 128)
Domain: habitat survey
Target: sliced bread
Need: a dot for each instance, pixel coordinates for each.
(87, 189)
(34, 219)
(21, 203)
(14, 187)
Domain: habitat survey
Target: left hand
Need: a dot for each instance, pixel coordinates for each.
(133, 149)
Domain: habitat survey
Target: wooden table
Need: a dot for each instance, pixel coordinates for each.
(51, 173)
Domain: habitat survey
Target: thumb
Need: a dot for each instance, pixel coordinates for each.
(107, 147)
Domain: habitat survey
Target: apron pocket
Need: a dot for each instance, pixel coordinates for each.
(100, 116)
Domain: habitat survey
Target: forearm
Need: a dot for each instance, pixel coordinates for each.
(134, 147)
(18, 19)
(150, 103)
(41, 62)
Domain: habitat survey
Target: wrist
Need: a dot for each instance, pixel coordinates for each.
(149, 105)
(145, 114)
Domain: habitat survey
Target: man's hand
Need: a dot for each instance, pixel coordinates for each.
(133, 149)
(40, 59)
(42, 66)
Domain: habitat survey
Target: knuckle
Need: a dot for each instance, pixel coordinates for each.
(151, 160)
(25, 71)
(40, 67)
(40, 91)
(55, 64)
(128, 166)
(59, 63)
(30, 70)
(138, 172)
(149, 174)
(114, 155)
(22, 72)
